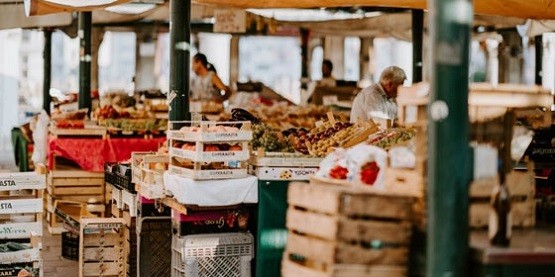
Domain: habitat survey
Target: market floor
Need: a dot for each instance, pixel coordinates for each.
(53, 263)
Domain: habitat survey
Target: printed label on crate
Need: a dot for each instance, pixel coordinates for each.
(20, 230)
(284, 173)
(231, 220)
(13, 271)
(22, 180)
(208, 174)
(206, 136)
(150, 225)
(21, 206)
(94, 228)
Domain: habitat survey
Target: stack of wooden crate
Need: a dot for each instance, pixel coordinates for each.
(101, 247)
(336, 230)
(21, 207)
(72, 185)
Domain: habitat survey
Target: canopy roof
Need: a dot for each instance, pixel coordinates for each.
(532, 9)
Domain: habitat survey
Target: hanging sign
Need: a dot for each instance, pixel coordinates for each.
(230, 21)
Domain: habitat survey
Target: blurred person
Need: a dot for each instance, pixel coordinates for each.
(327, 78)
(206, 85)
(379, 100)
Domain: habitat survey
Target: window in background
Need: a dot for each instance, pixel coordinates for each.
(274, 61)
(316, 63)
(391, 51)
(351, 58)
(216, 47)
(65, 63)
(116, 62)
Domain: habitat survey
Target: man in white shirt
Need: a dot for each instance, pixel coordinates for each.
(378, 100)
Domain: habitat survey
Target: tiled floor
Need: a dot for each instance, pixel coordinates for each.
(53, 263)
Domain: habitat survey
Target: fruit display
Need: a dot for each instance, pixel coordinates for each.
(69, 124)
(387, 138)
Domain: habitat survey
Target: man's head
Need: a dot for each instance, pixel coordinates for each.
(391, 78)
(327, 67)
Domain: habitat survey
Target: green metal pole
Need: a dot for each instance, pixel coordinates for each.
(449, 170)
(180, 44)
(417, 38)
(47, 66)
(538, 43)
(84, 33)
(304, 52)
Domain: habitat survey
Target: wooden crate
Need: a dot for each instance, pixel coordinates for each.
(523, 205)
(331, 226)
(101, 247)
(125, 200)
(22, 206)
(149, 180)
(76, 182)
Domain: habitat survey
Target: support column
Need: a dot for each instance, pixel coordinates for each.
(538, 43)
(417, 38)
(97, 37)
(365, 52)
(180, 46)
(234, 60)
(548, 63)
(84, 34)
(47, 57)
(305, 33)
(492, 69)
(449, 168)
(334, 49)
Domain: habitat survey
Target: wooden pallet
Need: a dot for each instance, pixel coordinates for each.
(334, 225)
(522, 190)
(101, 247)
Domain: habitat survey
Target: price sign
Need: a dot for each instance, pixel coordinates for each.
(230, 21)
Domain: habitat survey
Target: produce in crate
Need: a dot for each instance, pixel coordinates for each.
(270, 140)
(388, 138)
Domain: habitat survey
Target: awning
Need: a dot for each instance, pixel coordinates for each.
(532, 9)
(12, 15)
(42, 7)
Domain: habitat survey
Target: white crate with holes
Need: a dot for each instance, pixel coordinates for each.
(208, 255)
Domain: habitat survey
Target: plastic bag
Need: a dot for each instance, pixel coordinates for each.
(367, 163)
(40, 138)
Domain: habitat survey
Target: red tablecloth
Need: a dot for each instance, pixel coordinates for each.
(91, 154)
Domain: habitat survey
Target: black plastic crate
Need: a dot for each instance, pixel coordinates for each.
(119, 175)
(70, 246)
(154, 246)
(149, 210)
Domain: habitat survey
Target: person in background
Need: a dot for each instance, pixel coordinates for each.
(327, 78)
(206, 85)
(378, 100)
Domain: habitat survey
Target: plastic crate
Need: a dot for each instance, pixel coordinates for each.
(154, 246)
(227, 254)
(70, 246)
(119, 175)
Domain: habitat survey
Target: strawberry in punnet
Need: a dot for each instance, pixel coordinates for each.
(369, 173)
(339, 172)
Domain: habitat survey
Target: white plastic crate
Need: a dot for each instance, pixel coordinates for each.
(212, 255)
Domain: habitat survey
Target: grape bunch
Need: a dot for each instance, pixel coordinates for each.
(268, 139)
